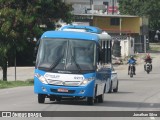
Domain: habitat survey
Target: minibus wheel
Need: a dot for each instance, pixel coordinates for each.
(90, 100)
(110, 88)
(52, 98)
(116, 89)
(101, 98)
(58, 98)
(41, 98)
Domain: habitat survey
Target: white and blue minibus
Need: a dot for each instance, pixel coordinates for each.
(73, 62)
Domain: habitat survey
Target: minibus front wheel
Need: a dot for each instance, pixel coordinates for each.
(41, 98)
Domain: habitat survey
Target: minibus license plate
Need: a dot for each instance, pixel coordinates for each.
(62, 90)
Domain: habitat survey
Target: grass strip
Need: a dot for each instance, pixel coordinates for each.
(11, 84)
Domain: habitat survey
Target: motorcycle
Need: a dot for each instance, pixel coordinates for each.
(131, 71)
(148, 67)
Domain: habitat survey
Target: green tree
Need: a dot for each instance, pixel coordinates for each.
(149, 8)
(21, 19)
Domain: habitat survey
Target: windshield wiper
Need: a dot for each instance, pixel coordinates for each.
(77, 65)
(56, 62)
(73, 58)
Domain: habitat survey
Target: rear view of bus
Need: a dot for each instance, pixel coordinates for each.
(71, 63)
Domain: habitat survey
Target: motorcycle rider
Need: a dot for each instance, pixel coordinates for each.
(148, 59)
(132, 61)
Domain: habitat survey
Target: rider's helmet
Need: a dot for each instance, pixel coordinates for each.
(147, 56)
(132, 57)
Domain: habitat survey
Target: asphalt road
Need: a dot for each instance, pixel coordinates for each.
(140, 93)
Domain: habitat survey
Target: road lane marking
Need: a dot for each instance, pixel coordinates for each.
(151, 104)
(152, 118)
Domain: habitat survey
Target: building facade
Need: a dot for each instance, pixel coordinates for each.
(94, 6)
(105, 15)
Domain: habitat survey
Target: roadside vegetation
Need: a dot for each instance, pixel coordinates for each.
(11, 84)
(155, 47)
(143, 8)
(22, 22)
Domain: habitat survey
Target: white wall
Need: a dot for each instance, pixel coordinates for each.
(127, 47)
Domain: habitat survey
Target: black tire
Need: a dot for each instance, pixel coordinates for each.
(90, 100)
(41, 98)
(110, 88)
(116, 89)
(148, 70)
(52, 98)
(131, 73)
(101, 98)
(96, 100)
(58, 98)
(104, 89)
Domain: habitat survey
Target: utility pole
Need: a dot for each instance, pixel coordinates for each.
(120, 25)
(112, 7)
(91, 3)
(15, 61)
(15, 64)
(92, 9)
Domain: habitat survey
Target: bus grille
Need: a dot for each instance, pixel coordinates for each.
(64, 83)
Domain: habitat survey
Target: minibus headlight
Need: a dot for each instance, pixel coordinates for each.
(86, 81)
(41, 78)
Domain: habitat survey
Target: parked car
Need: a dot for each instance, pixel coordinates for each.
(114, 81)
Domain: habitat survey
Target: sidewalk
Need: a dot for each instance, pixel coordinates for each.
(22, 73)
